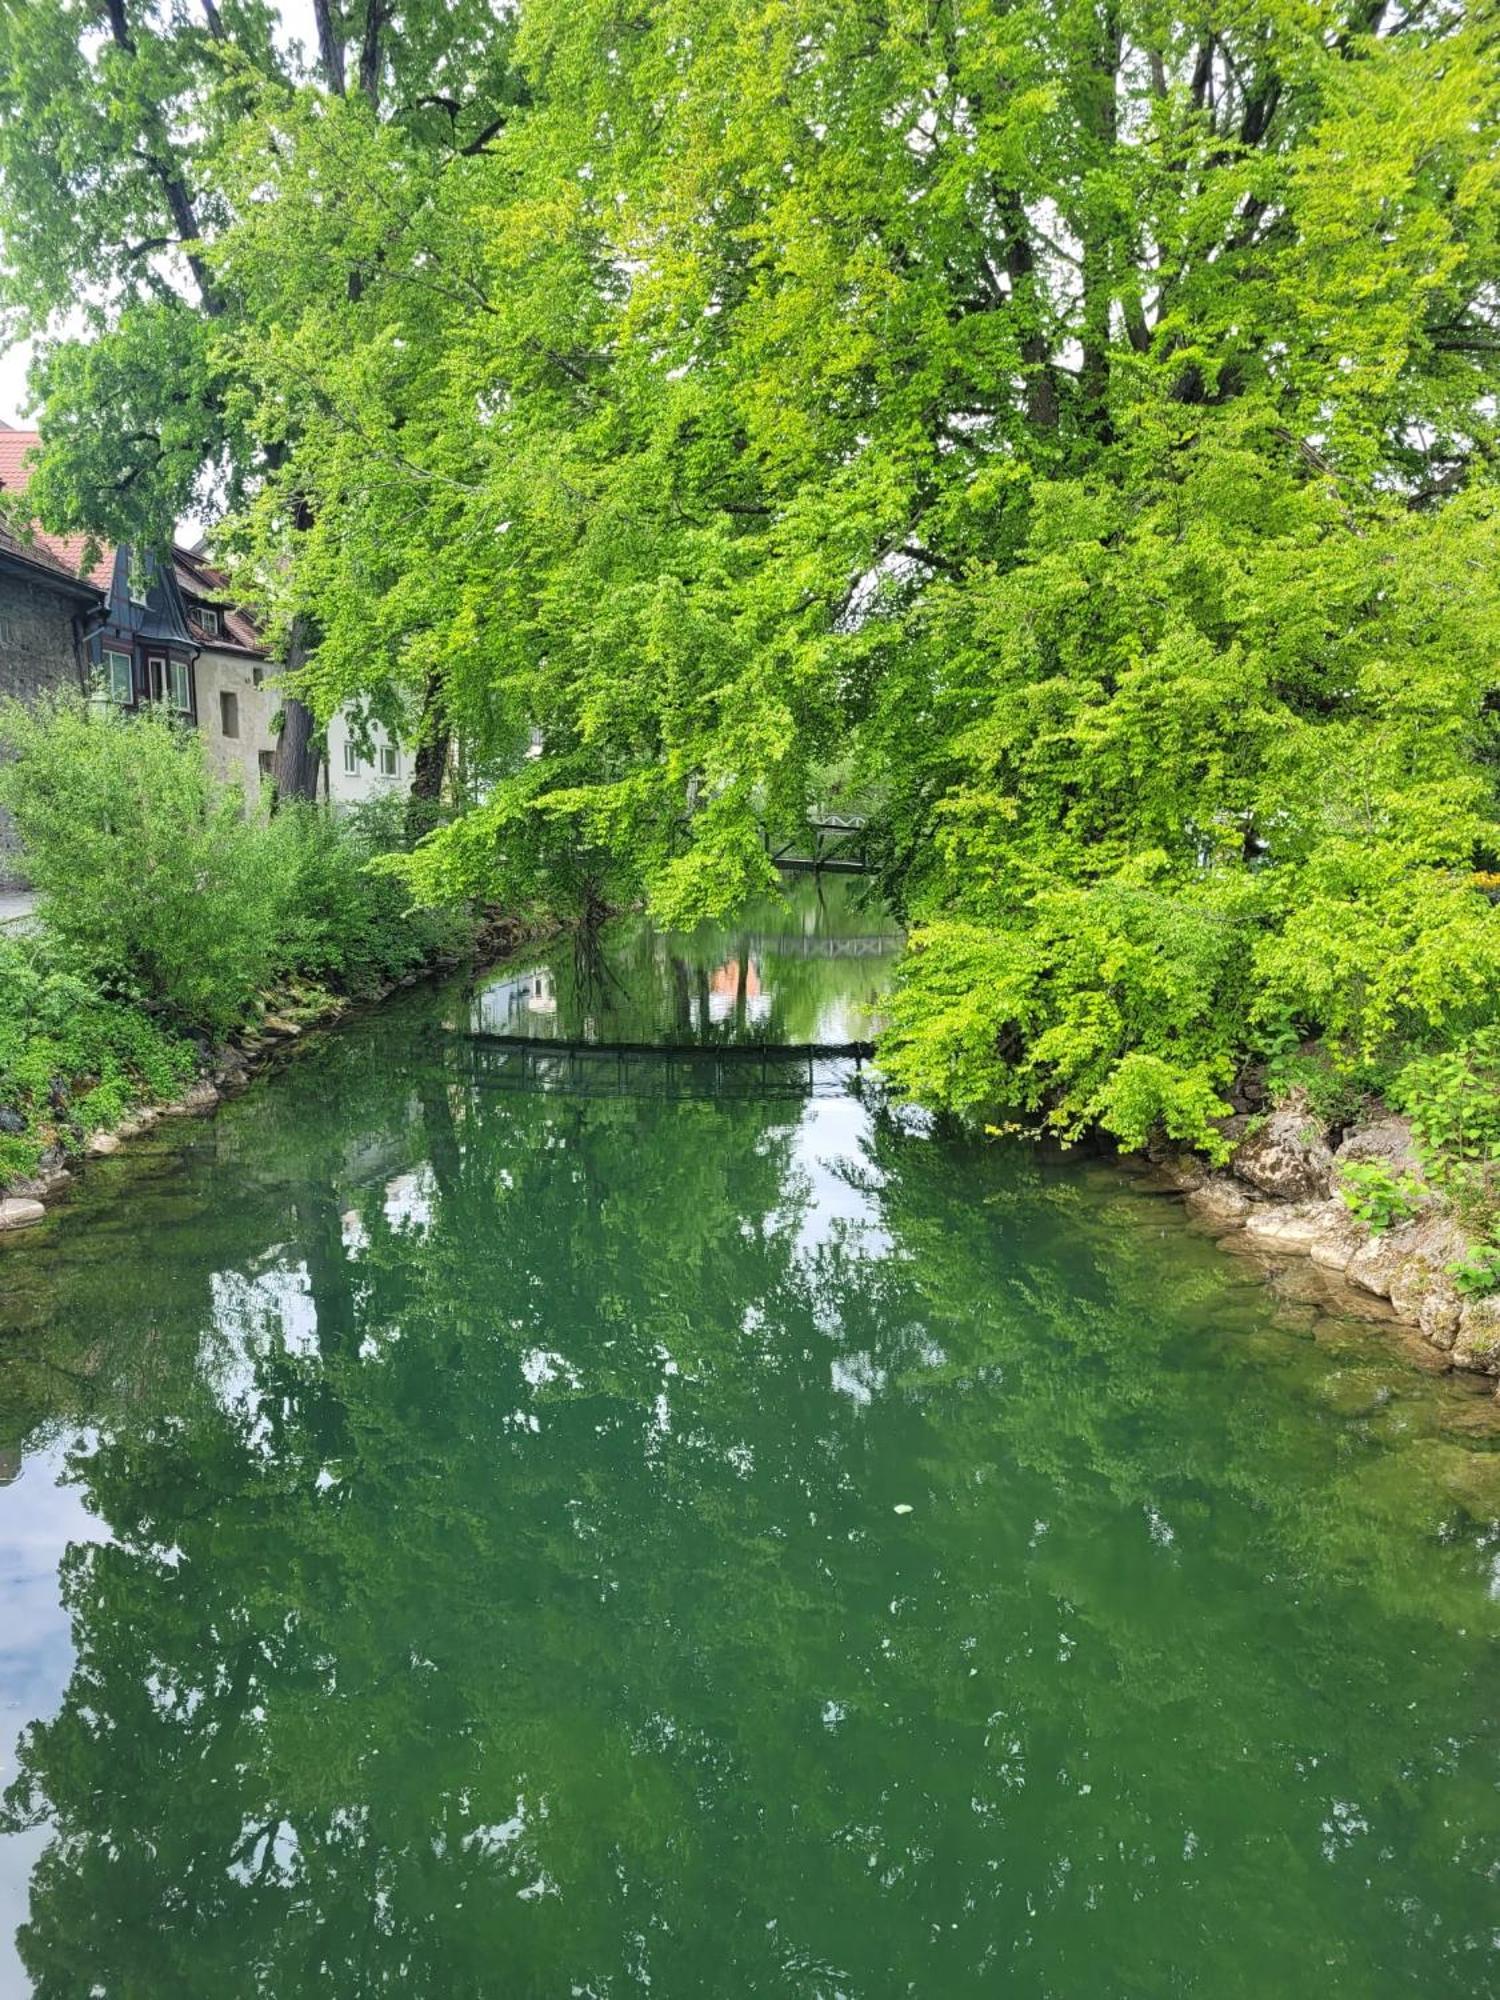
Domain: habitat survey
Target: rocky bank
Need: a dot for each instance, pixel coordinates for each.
(1278, 1197)
(226, 1069)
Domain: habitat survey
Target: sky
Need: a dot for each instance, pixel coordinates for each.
(297, 22)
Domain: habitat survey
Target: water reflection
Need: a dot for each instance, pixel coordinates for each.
(812, 971)
(559, 1545)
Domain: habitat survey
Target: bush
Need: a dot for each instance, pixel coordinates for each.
(1453, 1101)
(1379, 1197)
(153, 883)
(157, 889)
(1477, 1276)
(340, 922)
(71, 1060)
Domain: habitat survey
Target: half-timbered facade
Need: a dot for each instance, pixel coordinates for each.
(142, 652)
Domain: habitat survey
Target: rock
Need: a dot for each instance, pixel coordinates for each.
(1219, 1199)
(1439, 1314)
(11, 1120)
(279, 1029)
(1387, 1140)
(1340, 1239)
(138, 1122)
(1249, 1091)
(1427, 1244)
(1286, 1155)
(1232, 1130)
(1170, 1171)
(1477, 1344)
(202, 1097)
(21, 1213)
(1288, 1225)
(101, 1145)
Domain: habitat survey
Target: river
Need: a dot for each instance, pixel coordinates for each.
(488, 1515)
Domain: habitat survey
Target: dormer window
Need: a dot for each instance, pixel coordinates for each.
(208, 620)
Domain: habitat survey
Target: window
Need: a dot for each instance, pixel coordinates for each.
(208, 619)
(265, 763)
(7, 632)
(180, 685)
(118, 680)
(387, 761)
(257, 675)
(351, 757)
(229, 713)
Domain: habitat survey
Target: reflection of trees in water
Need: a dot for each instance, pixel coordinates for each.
(719, 984)
(541, 1619)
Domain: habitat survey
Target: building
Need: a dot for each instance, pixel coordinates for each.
(365, 761)
(141, 632)
(237, 703)
(138, 647)
(45, 616)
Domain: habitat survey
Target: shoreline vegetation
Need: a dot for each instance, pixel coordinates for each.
(178, 938)
(1064, 441)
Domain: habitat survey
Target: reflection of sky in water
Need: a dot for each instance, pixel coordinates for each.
(39, 1517)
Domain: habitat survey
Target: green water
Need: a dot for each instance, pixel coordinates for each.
(483, 1536)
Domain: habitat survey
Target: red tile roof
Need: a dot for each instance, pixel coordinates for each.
(63, 552)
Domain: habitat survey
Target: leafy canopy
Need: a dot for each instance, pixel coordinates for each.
(1064, 432)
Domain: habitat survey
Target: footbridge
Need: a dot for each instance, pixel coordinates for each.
(834, 844)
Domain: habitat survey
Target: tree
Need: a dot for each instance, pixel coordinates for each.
(116, 117)
(1070, 429)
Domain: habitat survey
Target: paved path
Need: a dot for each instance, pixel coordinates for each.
(16, 905)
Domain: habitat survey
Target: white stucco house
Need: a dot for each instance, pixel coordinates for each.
(364, 762)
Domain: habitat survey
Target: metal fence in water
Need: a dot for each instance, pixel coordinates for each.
(614, 1069)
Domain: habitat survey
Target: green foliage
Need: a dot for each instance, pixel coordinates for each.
(340, 922)
(150, 877)
(1478, 1274)
(1453, 1101)
(167, 910)
(71, 1060)
(1377, 1196)
(1078, 434)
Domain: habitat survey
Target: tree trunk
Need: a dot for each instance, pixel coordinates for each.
(431, 763)
(298, 759)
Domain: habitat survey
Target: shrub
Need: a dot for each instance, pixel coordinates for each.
(71, 1060)
(340, 921)
(158, 889)
(1478, 1274)
(1378, 1196)
(152, 881)
(1453, 1101)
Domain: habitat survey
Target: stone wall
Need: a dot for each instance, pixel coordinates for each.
(37, 654)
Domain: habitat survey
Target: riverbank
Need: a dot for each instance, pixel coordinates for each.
(1293, 1188)
(404, 1403)
(224, 1069)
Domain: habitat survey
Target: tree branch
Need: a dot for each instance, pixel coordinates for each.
(330, 46)
(369, 54)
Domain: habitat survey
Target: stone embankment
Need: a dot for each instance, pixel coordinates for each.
(1279, 1196)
